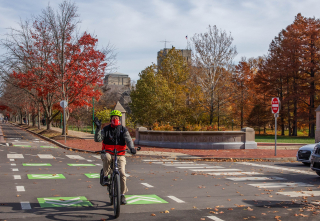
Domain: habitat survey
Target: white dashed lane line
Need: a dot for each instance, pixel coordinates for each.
(14, 169)
(20, 188)
(45, 156)
(15, 156)
(13, 164)
(202, 167)
(159, 160)
(176, 199)
(215, 218)
(11, 159)
(75, 157)
(25, 205)
(147, 185)
(215, 170)
(17, 177)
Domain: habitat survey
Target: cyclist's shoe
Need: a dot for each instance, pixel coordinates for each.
(123, 200)
(106, 181)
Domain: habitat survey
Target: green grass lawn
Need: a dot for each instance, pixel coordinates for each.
(284, 139)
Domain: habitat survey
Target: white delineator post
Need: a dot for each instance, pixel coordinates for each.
(275, 108)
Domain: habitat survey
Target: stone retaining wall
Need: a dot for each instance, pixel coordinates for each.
(244, 139)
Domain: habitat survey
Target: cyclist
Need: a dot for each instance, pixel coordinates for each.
(113, 136)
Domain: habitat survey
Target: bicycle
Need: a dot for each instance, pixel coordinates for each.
(114, 188)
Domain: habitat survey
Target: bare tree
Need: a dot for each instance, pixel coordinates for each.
(212, 54)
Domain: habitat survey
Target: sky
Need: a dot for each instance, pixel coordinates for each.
(137, 28)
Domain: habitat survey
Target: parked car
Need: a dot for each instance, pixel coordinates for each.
(304, 153)
(315, 159)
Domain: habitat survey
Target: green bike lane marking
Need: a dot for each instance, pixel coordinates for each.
(92, 175)
(81, 165)
(37, 164)
(144, 199)
(45, 176)
(21, 145)
(48, 147)
(64, 201)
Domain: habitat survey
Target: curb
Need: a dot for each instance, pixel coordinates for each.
(56, 142)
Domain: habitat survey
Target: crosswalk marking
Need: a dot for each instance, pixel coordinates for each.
(279, 185)
(215, 218)
(15, 169)
(233, 173)
(278, 168)
(254, 178)
(147, 184)
(45, 156)
(98, 157)
(300, 193)
(17, 177)
(11, 159)
(176, 165)
(15, 156)
(25, 205)
(20, 188)
(203, 167)
(216, 170)
(13, 164)
(169, 162)
(75, 157)
(159, 160)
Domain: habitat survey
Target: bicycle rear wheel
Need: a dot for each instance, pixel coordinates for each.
(116, 195)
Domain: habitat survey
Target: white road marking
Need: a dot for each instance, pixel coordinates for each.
(174, 162)
(45, 156)
(255, 178)
(127, 175)
(12, 152)
(95, 156)
(216, 170)
(15, 169)
(147, 185)
(13, 164)
(17, 177)
(278, 168)
(15, 156)
(300, 193)
(20, 188)
(233, 173)
(11, 159)
(158, 160)
(75, 157)
(180, 165)
(98, 164)
(89, 160)
(25, 205)
(279, 185)
(200, 167)
(215, 218)
(176, 199)
(7, 144)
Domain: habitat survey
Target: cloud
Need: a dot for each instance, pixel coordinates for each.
(136, 28)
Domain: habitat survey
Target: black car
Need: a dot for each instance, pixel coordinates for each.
(315, 159)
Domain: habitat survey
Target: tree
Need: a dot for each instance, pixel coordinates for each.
(213, 54)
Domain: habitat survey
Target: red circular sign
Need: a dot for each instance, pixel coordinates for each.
(275, 105)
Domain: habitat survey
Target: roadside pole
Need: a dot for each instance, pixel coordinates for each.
(64, 104)
(275, 109)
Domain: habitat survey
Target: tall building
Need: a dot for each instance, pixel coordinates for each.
(185, 53)
(117, 79)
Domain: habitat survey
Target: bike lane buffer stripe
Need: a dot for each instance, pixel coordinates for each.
(46, 176)
(176, 199)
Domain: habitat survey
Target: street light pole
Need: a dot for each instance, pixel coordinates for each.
(92, 132)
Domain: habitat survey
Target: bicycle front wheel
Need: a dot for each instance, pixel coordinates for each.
(116, 195)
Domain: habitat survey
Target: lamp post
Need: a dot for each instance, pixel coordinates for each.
(92, 132)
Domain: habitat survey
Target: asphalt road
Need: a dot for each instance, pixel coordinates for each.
(40, 182)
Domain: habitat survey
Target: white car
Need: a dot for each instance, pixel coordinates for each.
(304, 153)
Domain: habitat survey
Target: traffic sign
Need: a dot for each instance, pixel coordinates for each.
(275, 105)
(63, 104)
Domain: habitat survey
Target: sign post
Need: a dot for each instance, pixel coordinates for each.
(275, 108)
(64, 104)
